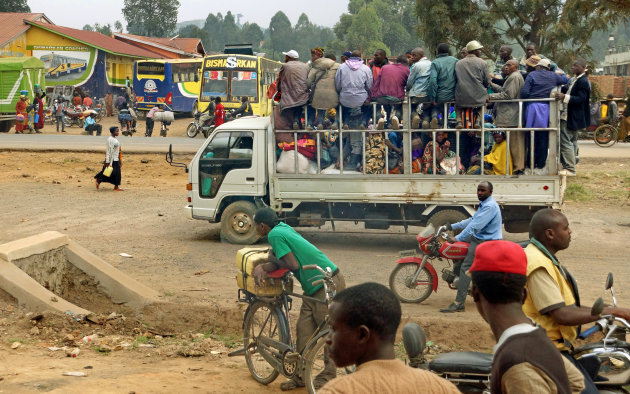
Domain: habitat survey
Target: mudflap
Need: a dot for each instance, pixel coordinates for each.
(428, 266)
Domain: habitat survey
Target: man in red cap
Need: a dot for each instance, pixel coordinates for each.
(525, 360)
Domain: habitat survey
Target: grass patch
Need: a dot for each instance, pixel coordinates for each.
(578, 192)
(101, 350)
(230, 340)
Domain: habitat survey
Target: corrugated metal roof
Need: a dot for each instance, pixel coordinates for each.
(101, 41)
(12, 24)
(185, 45)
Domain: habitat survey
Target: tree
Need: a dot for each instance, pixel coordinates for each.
(252, 33)
(192, 31)
(103, 29)
(374, 24)
(118, 27)
(153, 18)
(280, 32)
(560, 29)
(14, 6)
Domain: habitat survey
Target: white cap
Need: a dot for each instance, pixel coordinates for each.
(544, 63)
(292, 54)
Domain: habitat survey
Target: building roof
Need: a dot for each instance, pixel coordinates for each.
(184, 46)
(98, 40)
(12, 24)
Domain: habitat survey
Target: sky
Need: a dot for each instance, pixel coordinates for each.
(76, 14)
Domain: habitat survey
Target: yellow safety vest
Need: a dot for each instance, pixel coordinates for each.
(560, 335)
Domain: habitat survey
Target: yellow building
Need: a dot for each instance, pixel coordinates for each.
(13, 30)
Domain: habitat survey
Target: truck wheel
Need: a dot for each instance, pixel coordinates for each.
(237, 223)
(6, 125)
(444, 216)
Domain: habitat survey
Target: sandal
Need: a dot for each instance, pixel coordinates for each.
(119, 190)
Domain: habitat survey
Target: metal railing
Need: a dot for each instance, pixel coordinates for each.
(407, 132)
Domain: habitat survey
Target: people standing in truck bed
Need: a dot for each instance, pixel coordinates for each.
(292, 83)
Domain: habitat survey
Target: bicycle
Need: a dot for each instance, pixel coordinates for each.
(607, 135)
(268, 343)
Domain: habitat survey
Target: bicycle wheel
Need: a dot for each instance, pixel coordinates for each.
(405, 291)
(263, 320)
(314, 364)
(605, 136)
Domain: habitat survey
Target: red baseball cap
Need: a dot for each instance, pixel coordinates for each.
(500, 256)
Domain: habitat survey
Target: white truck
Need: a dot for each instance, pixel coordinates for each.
(235, 172)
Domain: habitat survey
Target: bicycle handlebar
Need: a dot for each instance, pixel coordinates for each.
(310, 267)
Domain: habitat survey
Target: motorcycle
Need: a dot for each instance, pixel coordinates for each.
(414, 277)
(74, 116)
(127, 123)
(196, 126)
(612, 353)
(470, 371)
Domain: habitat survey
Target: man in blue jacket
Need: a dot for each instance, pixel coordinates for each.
(485, 225)
(575, 116)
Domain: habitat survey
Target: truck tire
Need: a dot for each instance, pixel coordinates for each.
(444, 216)
(5, 125)
(237, 223)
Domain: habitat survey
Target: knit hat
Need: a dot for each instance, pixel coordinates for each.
(318, 50)
(347, 54)
(532, 61)
(500, 256)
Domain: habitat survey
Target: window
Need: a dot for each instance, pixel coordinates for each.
(151, 68)
(244, 83)
(185, 72)
(226, 152)
(215, 84)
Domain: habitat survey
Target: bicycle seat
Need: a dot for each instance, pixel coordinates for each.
(462, 362)
(277, 274)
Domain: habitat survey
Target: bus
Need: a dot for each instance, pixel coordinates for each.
(56, 65)
(232, 76)
(172, 82)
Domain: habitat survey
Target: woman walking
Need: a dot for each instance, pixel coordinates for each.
(113, 160)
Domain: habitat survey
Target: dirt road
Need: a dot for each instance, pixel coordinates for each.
(194, 273)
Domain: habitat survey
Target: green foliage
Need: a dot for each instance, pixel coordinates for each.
(192, 31)
(152, 18)
(560, 29)
(280, 32)
(578, 192)
(230, 340)
(14, 6)
(104, 29)
(376, 24)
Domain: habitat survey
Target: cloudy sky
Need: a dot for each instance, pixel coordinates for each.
(76, 14)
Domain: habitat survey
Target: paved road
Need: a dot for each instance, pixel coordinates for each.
(56, 142)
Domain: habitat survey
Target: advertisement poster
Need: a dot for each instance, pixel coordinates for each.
(63, 65)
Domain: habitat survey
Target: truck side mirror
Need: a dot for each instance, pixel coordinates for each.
(169, 159)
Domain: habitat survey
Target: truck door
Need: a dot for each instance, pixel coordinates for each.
(225, 168)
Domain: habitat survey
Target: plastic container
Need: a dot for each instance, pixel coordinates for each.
(163, 116)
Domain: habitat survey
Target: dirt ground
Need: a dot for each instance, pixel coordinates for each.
(181, 345)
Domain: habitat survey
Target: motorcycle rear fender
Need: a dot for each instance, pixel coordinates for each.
(428, 265)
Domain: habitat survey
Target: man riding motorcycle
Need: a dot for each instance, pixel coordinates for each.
(208, 113)
(553, 301)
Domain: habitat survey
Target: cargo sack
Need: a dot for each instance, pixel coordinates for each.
(246, 260)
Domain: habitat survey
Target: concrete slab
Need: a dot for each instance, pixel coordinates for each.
(27, 263)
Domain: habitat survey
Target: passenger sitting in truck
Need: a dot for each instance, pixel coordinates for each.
(445, 158)
(493, 162)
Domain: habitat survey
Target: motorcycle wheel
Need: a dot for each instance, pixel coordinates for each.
(400, 278)
(67, 122)
(80, 123)
(192, 130)
(162, 133)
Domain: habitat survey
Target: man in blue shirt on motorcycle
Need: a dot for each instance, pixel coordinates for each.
(485, 225)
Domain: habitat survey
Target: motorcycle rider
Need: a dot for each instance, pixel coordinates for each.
(485, 225)
(553, 301)
(245, 109)
(364, 320)
(525, 360)
(208, 113)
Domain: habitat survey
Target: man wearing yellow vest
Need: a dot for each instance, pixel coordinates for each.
(552, 299)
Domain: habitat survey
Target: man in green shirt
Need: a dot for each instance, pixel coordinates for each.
(291, 251)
